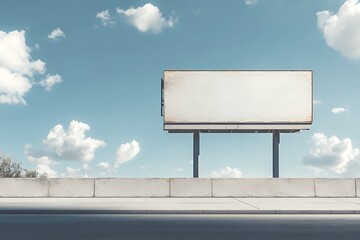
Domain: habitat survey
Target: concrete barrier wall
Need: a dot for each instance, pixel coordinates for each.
(180, 187)
(132, 187)
(257, 187)
(335, 187)
(188, 187)
(69, 187)
(357, 187)
(19, 187)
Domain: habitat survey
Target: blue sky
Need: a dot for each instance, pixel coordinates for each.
(80, 84)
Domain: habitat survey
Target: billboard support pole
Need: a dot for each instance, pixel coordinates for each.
(196, 153)
(276, 148)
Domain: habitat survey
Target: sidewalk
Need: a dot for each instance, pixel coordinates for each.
(179, 205)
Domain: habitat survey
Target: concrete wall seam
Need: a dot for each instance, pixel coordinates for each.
(357, 187)
(212, 187)
(170, 180)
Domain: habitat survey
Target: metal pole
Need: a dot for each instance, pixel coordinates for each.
(196, 153)
(276, 150)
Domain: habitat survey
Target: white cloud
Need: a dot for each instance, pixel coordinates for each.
(17, 69)
(337, 110)
(103, 165)
(73, 172)
(147, 18)
(15, 55)
(179, 169)
(251, 2)
(226, 172)
(13, 87)
(105, 17)
(56, 34)
(126, 152)
(331, 155)
(44, 163)
(317, 101)
(86, 167)
(50, 81)
(342, 30)
(72, 144)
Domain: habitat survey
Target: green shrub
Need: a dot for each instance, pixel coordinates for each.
(11, 169)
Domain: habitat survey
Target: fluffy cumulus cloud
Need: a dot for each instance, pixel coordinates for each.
(57, 33)
(332, 156)
(72, 144)
(342, 29)
(226, 172)
(147, 18)
(104, 165)
(50, 81)
(337, 110)
(13, 87)
(17, 68)
(126, 152)
(15, 54)
(64, 144)
(44, 164)
(105, 17)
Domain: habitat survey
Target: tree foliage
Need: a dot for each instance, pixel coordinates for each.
(11, 169)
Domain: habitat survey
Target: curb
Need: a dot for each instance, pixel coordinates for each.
(111, 211)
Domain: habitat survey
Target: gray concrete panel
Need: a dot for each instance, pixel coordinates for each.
(132, 187)
(188, 187)
(71, 187)
(23, 187)
(254, 187)
(335, 187)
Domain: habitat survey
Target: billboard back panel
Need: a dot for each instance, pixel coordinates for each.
(238, 97)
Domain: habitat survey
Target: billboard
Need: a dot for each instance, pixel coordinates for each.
(235, 100)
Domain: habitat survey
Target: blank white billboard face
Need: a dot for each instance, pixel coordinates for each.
(237, 97)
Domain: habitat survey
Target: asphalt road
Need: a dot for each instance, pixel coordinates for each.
(112, 226)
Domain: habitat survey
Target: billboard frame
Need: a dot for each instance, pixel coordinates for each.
(247, 127)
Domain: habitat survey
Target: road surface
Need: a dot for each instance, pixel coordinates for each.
(176, 226)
